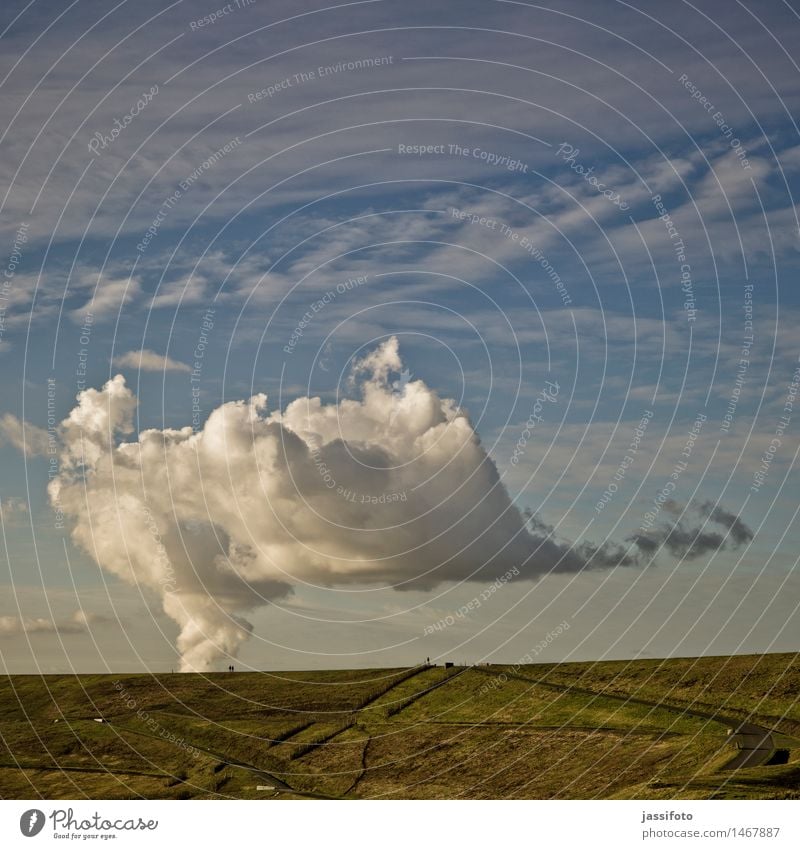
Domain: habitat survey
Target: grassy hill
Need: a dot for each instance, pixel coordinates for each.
(627, 729)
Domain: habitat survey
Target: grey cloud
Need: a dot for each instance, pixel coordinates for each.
(688, 538)
(738, 530)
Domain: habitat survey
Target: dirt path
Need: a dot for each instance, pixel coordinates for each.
(756, 746)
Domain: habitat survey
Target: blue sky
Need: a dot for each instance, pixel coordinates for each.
(268, 182)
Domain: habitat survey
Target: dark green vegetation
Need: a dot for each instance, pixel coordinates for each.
(628, 729)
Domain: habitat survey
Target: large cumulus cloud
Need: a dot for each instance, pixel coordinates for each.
(390, 486)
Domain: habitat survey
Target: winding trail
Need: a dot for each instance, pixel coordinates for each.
(756, 744)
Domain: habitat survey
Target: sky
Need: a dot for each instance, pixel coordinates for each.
(350, 335)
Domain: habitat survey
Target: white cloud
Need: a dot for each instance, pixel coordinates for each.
(25, 437)
(392, 488)
(78, 623)
(13, 625)
(13, 510)
(147, 360)
(109, 296)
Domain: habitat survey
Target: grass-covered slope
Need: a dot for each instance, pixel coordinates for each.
(638, 729)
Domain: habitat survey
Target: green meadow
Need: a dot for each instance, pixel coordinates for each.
(655, 729)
